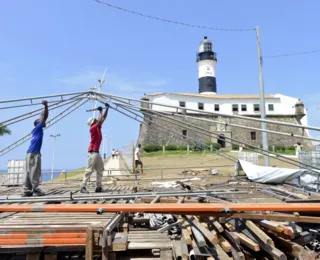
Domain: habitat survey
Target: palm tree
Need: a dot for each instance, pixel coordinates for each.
(4, 130)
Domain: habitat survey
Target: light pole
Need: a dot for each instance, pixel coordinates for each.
(54, 147)
(103, 145)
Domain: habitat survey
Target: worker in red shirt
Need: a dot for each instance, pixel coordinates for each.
(95, 162)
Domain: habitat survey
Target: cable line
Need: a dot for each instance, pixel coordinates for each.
(172, 21)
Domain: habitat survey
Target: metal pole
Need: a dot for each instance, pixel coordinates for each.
(54, 148)
(262, 101)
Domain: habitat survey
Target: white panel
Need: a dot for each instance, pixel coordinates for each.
(206, 68)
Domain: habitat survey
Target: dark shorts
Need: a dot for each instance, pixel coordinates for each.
(138, 162)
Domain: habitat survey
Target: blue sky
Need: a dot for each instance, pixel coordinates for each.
(50, 47)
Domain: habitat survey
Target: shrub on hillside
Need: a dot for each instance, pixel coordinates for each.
(152, 148)
(182, 148)
(280, 148)
(235, 147)
(171, 147)
(291, 148)
(215, 146)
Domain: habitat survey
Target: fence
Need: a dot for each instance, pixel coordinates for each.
(128, 156)
(311, 158)
(15, 172)
(249, 157)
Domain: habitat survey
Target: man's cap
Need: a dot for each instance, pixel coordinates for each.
(90, 121)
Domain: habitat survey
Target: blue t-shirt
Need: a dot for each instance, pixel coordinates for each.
(36, 141)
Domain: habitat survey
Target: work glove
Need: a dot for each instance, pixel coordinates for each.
(100, 109)
(107, 105)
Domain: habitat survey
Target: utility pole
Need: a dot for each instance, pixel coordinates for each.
(54, 148)
(262, 101)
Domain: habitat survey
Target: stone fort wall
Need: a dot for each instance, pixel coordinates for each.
(151, 133)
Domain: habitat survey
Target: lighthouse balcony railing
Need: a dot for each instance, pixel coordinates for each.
(205, 56)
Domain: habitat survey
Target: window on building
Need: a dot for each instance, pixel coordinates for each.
(271, 107)
(182, 103)
(256, 107)
(216, 107)
(235, 108)
(200, 106)
(184, 133)
(253, 136)
(243, 107)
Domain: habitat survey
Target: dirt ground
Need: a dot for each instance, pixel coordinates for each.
(203, 161)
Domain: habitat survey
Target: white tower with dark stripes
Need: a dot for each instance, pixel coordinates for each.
(206, 61)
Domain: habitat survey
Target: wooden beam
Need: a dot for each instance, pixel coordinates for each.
(244, 240)
(259, 233)
(89, 244)
(120, 241)
(212, 237)
(155, 200)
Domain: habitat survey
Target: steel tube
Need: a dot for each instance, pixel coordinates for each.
(231, 158)
(213, 113)
(166, 208)
(264, 152)
(245, 127)
(49, 124)
(42, 97)
(121, 196)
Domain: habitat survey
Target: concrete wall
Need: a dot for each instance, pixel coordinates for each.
(153, 134)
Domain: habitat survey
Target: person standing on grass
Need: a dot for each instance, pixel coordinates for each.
(95, 162)
(137, 158)
(32, 173)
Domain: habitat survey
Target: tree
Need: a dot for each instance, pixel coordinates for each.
(4, 130)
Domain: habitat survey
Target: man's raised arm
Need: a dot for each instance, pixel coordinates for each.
(45, 114)
(103, 116)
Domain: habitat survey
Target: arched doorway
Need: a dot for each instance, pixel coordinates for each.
(221, 141)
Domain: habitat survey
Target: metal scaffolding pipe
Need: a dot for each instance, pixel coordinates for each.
(49, 124)
(39, 111)
(189, 126)
(212, 113)
(121, 196)
(231, 158)
(43, 97)
(207, 208)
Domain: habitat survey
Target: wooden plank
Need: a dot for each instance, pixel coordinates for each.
(123, 227)
(244, 240)
(155, 200)
(184, 249)
(201, 242)
(120, 241)
(232, 237)
(221, 253)
(212, 237)
(216, 224)
(293, 249)
(225, 245)
(259, 233)
(89, 244)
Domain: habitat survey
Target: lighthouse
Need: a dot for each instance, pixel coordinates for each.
(206, 61)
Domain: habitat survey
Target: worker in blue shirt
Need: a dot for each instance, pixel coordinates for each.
(33, 159)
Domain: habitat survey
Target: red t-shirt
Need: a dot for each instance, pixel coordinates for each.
(96, 137)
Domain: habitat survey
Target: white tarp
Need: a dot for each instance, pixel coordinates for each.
(274, 175)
